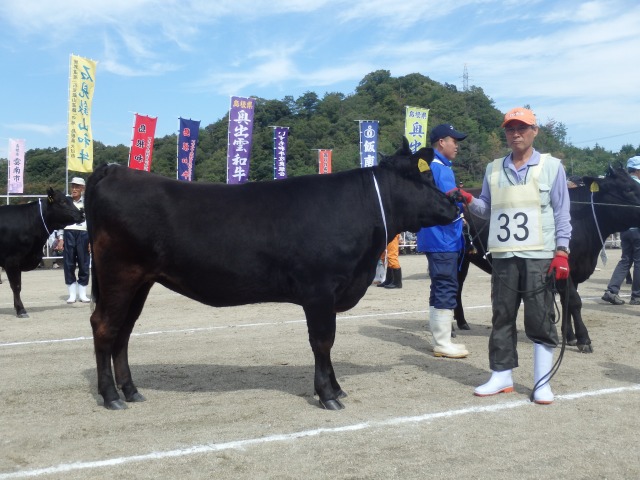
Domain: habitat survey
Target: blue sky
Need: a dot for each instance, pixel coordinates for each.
(577, 62)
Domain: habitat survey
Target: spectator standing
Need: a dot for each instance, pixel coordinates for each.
(393, 278)
(443, 245)
(525, 196)
(75, 242)
(630, 244)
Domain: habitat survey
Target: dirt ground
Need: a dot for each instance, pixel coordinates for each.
(230, 393)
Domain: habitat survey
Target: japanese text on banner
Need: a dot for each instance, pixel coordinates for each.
(324, 161)
(187, 142)
(280, 144)
(415, 127)
(368, 143)
(239, 139)
(141, 153)
(15, 157)
(80, 139)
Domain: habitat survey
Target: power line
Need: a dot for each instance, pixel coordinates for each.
(606, 138)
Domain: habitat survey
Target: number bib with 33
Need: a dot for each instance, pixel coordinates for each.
(513, 229)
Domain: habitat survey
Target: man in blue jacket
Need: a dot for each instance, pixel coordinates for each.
(443, 246)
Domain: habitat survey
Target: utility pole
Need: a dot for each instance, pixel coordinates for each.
(465, 79)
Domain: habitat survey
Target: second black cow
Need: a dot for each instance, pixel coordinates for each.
(602, 206)
(23, 232)
(312, 241)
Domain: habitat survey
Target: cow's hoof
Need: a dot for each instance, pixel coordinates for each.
(331, 404)
(115, 405)
(136, 397)
(464, 326)
(585, 348)
(23, 315)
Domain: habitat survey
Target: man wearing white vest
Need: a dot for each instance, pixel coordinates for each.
(525, 196)
(75, 242)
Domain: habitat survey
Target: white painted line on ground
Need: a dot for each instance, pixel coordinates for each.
(285, 437)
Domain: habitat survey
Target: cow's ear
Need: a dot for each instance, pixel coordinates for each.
(593, 183)
(50, 195)
(612, 171)
(406, 149)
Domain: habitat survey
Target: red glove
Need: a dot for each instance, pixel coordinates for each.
(560, 264)
(466, 196)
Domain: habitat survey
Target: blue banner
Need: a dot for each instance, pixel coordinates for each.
(368, 143)
(239, 139)
(187, 141)
(280, 144)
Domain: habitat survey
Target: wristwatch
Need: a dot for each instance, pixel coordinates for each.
(562, 249)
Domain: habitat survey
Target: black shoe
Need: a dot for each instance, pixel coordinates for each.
(612, 298)
(634, 301)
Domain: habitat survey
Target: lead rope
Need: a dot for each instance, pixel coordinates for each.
(384, 220)
(603, 253)
(42, 217)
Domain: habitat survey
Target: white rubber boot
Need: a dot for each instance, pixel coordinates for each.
(542, 363)
(440, 324)
(82, 294)
(500, 382)
(72, 293)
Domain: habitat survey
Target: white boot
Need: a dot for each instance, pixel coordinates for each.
(542, 364)
(440, 324)
(500, 382)
(72, 293)
(82, 294)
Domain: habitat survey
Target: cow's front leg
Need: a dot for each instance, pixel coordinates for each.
(15, 280)
(321, 323)
(581, 336)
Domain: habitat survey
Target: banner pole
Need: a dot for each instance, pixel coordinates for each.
(178, 151)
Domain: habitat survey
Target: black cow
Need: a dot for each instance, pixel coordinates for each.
(312, 240)
(24, 230)
(615, 202)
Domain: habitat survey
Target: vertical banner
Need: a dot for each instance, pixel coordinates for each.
(239, 139)
(141, 152)
(324, 161)
(368, 143)
(280, 145)
(187, 141)
(82, 74)
(415, 127)
(15, 162)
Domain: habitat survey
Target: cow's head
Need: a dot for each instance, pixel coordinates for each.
(432, 207)
(619, 193)
(60, 211)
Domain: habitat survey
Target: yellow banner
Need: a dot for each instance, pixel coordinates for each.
(415, 127)
(82, 74)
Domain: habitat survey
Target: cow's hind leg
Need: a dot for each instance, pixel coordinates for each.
(120, 352)
(103, 338)
(321, 323)
(15, 281)
(112, 322)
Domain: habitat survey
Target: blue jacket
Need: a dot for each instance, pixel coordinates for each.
(446, 238)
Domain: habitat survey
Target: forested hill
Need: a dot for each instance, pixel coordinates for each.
(330, 122)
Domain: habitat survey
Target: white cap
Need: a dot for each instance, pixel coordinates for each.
(77, 181)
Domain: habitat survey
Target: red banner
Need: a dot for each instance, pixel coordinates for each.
(141, 153)
(324, 161)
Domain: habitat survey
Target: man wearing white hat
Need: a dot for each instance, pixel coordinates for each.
(76, 249)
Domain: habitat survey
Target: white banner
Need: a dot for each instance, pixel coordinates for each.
(15, 180)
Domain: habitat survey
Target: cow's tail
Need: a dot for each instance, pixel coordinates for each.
(90, 209)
